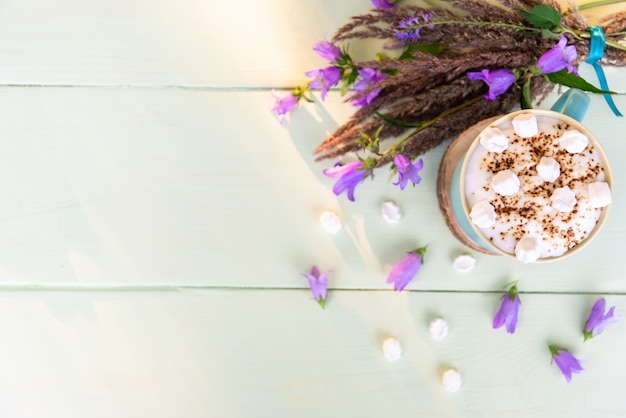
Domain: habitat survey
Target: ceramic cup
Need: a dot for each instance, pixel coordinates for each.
(568, 111)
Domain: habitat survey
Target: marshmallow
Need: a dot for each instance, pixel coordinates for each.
(599, 194)
(391, 349)
(548, 169)
(391, 212)
(573, 141)
(563, 199)
(494, 140)
(505, 183)
(330, 222)
(527, 249)
(483, 214)
(438, 328)
(525, 125)
(464, 263)
(451, 380)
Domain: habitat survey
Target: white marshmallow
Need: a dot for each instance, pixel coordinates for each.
(599, 194)
(563, 199)
(330, 222)
(527, 249)
(391, 349)
(548, 169)
(494, 140)
(451, 380)
(525, 125)
(438, 328)
(573, 141)
(483, 214)
(464, 263)
(391, 212)
(505, 183)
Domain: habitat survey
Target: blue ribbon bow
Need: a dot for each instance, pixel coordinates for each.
(596, 50)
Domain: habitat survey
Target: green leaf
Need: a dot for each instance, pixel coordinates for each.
(430, 49)
(525, 99)
(544, 17)
(398, 123)
(568, 79)
(548, 34)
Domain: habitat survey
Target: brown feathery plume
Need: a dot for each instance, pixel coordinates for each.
(422, 85)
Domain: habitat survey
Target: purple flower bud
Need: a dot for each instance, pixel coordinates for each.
(368, 76)
(558, 58)
(407, 170)
(509, 308)
(382, 4)
(406, 269)
(498, 81)
(327, 50)
(324, 78)
(318, 282)
(566, 362)
(283, 104)
(408, 29)
(348, 177)
(598, 320)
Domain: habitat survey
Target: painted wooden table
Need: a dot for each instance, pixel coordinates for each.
(155, 219)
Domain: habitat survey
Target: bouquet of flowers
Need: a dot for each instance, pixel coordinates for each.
(445, 68)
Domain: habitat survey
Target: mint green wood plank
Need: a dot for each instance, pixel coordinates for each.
(183, 187)
(188, 42)
(250, 353)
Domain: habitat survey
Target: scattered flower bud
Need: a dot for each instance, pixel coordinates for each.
(318, 282)
(566, 362)
(509, 309)
(406, 269)
(598, 320)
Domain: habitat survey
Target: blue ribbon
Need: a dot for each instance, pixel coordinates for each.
(596, 50)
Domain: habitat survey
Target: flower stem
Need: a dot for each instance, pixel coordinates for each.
(592, 4)
(429, 123)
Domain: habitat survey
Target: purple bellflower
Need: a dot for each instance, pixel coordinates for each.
(324, 78)
(283, 104)
(566, 362)
(327, 50)
(598, 320)
(558, 58)
(382, 4)
(408, 29)
(406, 269)
(368, 76)
(507, 314)
(498, 81)
(318, 282)
(348, 177)
(407, 170)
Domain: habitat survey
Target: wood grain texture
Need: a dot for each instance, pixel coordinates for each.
(160, 186)
(166, 42)
(276, 353)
